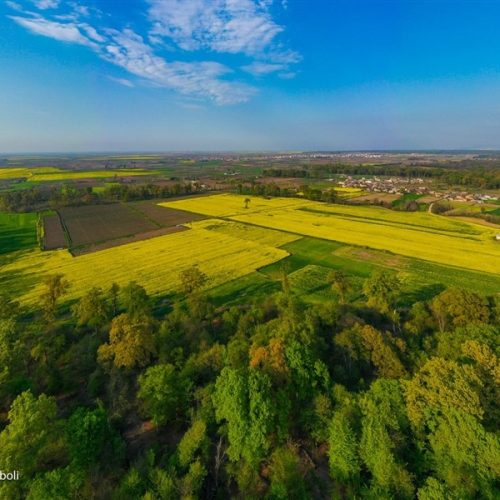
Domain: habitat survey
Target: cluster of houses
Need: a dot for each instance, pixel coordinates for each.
(400, 185)
(392, 185)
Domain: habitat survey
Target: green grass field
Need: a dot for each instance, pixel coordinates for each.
(17, 232)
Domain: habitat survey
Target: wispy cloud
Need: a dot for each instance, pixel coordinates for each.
(46, 4)
(64, 32)
(227, 26)
(232, 26)
(121, 81)
(129, 51)
(259, 68)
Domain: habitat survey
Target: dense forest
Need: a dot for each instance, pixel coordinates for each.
(122, 396)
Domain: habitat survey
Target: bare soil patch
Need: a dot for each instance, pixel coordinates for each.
(53, 233)
(164, 216)
(91, 225)
(385, 197)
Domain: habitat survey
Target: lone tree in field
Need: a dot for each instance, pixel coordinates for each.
(192, 279)
(247, 202)
(55, 287)
(340, 284)
(382, 290)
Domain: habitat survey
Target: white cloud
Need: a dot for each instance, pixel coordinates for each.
(46, 4)
(232, 26)
(121, 81)
(129, 51)
(13, 5)
(259, 68)
(64, 32)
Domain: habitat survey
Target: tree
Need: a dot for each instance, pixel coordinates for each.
(243, 399)
(25, 442)
(88, 434)
(285, 472)
(340, 284)
(194, 440)
(382, 353)
(113, 293)
(162, 391)
(439, 387)
(246, 202)
(192, 279)
(57, 484)
(466, 457)
(382, 290)
(384, 428)
(130, 343)
(55, 287)
(460, 308)
(343, 449)
(136, 300)
(92, 309)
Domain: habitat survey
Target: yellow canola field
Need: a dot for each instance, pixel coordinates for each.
(227, 205)
(247, 232)
(153, 263)
(55, 174)
(423, 236)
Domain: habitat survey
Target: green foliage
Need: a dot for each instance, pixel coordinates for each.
(58, 484)
(162, 392)
(88, 434)
(194, 440)
(286, 476)
(384, 425)
(30, 440)
(192, 279)
(440, 387)
(55, 287)
(459, 308)
(343, 450)
(382, 290)
(92, 309)
(244, 401)
(130, 343)
(135, 299)
(466, 457)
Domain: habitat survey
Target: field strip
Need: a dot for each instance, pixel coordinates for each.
(154, 263)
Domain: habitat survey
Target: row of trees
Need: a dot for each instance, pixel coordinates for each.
(71, 195)
(476, 176)
(357, 397)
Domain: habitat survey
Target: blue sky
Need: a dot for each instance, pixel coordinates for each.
(179, 75)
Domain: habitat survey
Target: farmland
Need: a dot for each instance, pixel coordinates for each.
(156, 263)
(99, 223)
(47, 174)
(166, 326)
(419, 235)
(97, 227)
(17, 232)
(53, 233)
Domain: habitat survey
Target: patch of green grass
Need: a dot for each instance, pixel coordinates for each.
(318, 252)
(494, 212)
(254, 286)
(422, 280)
(16, 186)
(17, 232)
(406, 198)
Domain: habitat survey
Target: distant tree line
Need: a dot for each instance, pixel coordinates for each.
(70, 195)
(477, 176)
